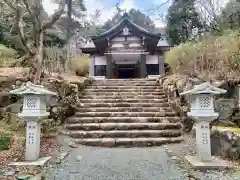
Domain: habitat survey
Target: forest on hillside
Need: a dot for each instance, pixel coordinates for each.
(30, 37)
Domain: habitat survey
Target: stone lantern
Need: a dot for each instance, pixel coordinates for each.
(34, 110)
(201, 99)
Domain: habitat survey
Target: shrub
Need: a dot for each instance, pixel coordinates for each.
(5, 141)
(80, 65)
(54, 59)
(212, 58)
(7, 56)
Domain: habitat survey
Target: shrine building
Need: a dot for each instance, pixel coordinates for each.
(126, 51)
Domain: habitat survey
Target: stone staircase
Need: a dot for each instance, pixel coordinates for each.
(129, 113)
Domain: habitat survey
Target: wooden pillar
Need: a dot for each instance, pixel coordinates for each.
(109, 66)
(161, 65)
(92, 66)
(143, 68)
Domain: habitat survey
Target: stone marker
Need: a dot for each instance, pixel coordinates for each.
(202, 112)
(34, 110)
(238, 95)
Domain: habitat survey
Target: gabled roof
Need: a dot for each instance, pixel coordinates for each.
(125, 20)
(101, 41)
(89, 44)
(153, 42)
(31, 88)
(163, 43)
(204, 88)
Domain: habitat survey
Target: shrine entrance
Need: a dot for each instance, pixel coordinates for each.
(126, 71)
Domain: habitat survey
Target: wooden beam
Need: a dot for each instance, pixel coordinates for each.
(137, 53)
(143, 68)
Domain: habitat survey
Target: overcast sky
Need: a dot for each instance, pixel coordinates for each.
(107, 7)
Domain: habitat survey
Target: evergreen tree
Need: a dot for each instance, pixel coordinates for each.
(141, 19)
(70, 21)
(230, 17)
(182, 21)
(136, 16)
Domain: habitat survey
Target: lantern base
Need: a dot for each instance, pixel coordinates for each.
(200, 116)
(214, 164)
(38, 162)
(33, 117)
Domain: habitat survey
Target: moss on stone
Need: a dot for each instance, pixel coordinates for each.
(5, 141)
(231, 129)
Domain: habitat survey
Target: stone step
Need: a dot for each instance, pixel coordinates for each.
(135, 84)
(159, 90)
(76, 120)
(124, 133)
(127, 142)
(122, 126)
(124, 87)
(125, 114)
(124, 104)
(124, 80)
(133, 93)
(83, 100)
(120, 96)
(124, 109)
(127, 79)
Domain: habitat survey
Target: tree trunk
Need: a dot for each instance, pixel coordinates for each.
(38, 59)
(69, 14)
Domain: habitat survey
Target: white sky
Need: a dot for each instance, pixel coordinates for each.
(92, 5)
(49, 7)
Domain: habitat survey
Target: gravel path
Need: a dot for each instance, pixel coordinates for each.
(188, 147)
(116, 164)
(162, 163)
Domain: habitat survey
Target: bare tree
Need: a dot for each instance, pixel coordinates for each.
(75, 10)
(210, 11)
(159, 6)
(33, 46)
(157, 11)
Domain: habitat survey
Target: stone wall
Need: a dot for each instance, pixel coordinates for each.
(225, 104)
(173, 85)
(67, 86)
(224, 143)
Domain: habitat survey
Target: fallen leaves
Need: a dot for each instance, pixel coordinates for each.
(48, 146)
(14, 153)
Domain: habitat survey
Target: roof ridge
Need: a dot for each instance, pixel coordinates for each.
(124, 18)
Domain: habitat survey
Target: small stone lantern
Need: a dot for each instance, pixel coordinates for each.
(34, 110)
(201, 100)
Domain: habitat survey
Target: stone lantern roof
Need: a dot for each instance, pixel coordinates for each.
(204, 88)
(31, 88)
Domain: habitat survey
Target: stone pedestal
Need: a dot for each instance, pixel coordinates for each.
(33, 131)
(203, 141)
(215, 163)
